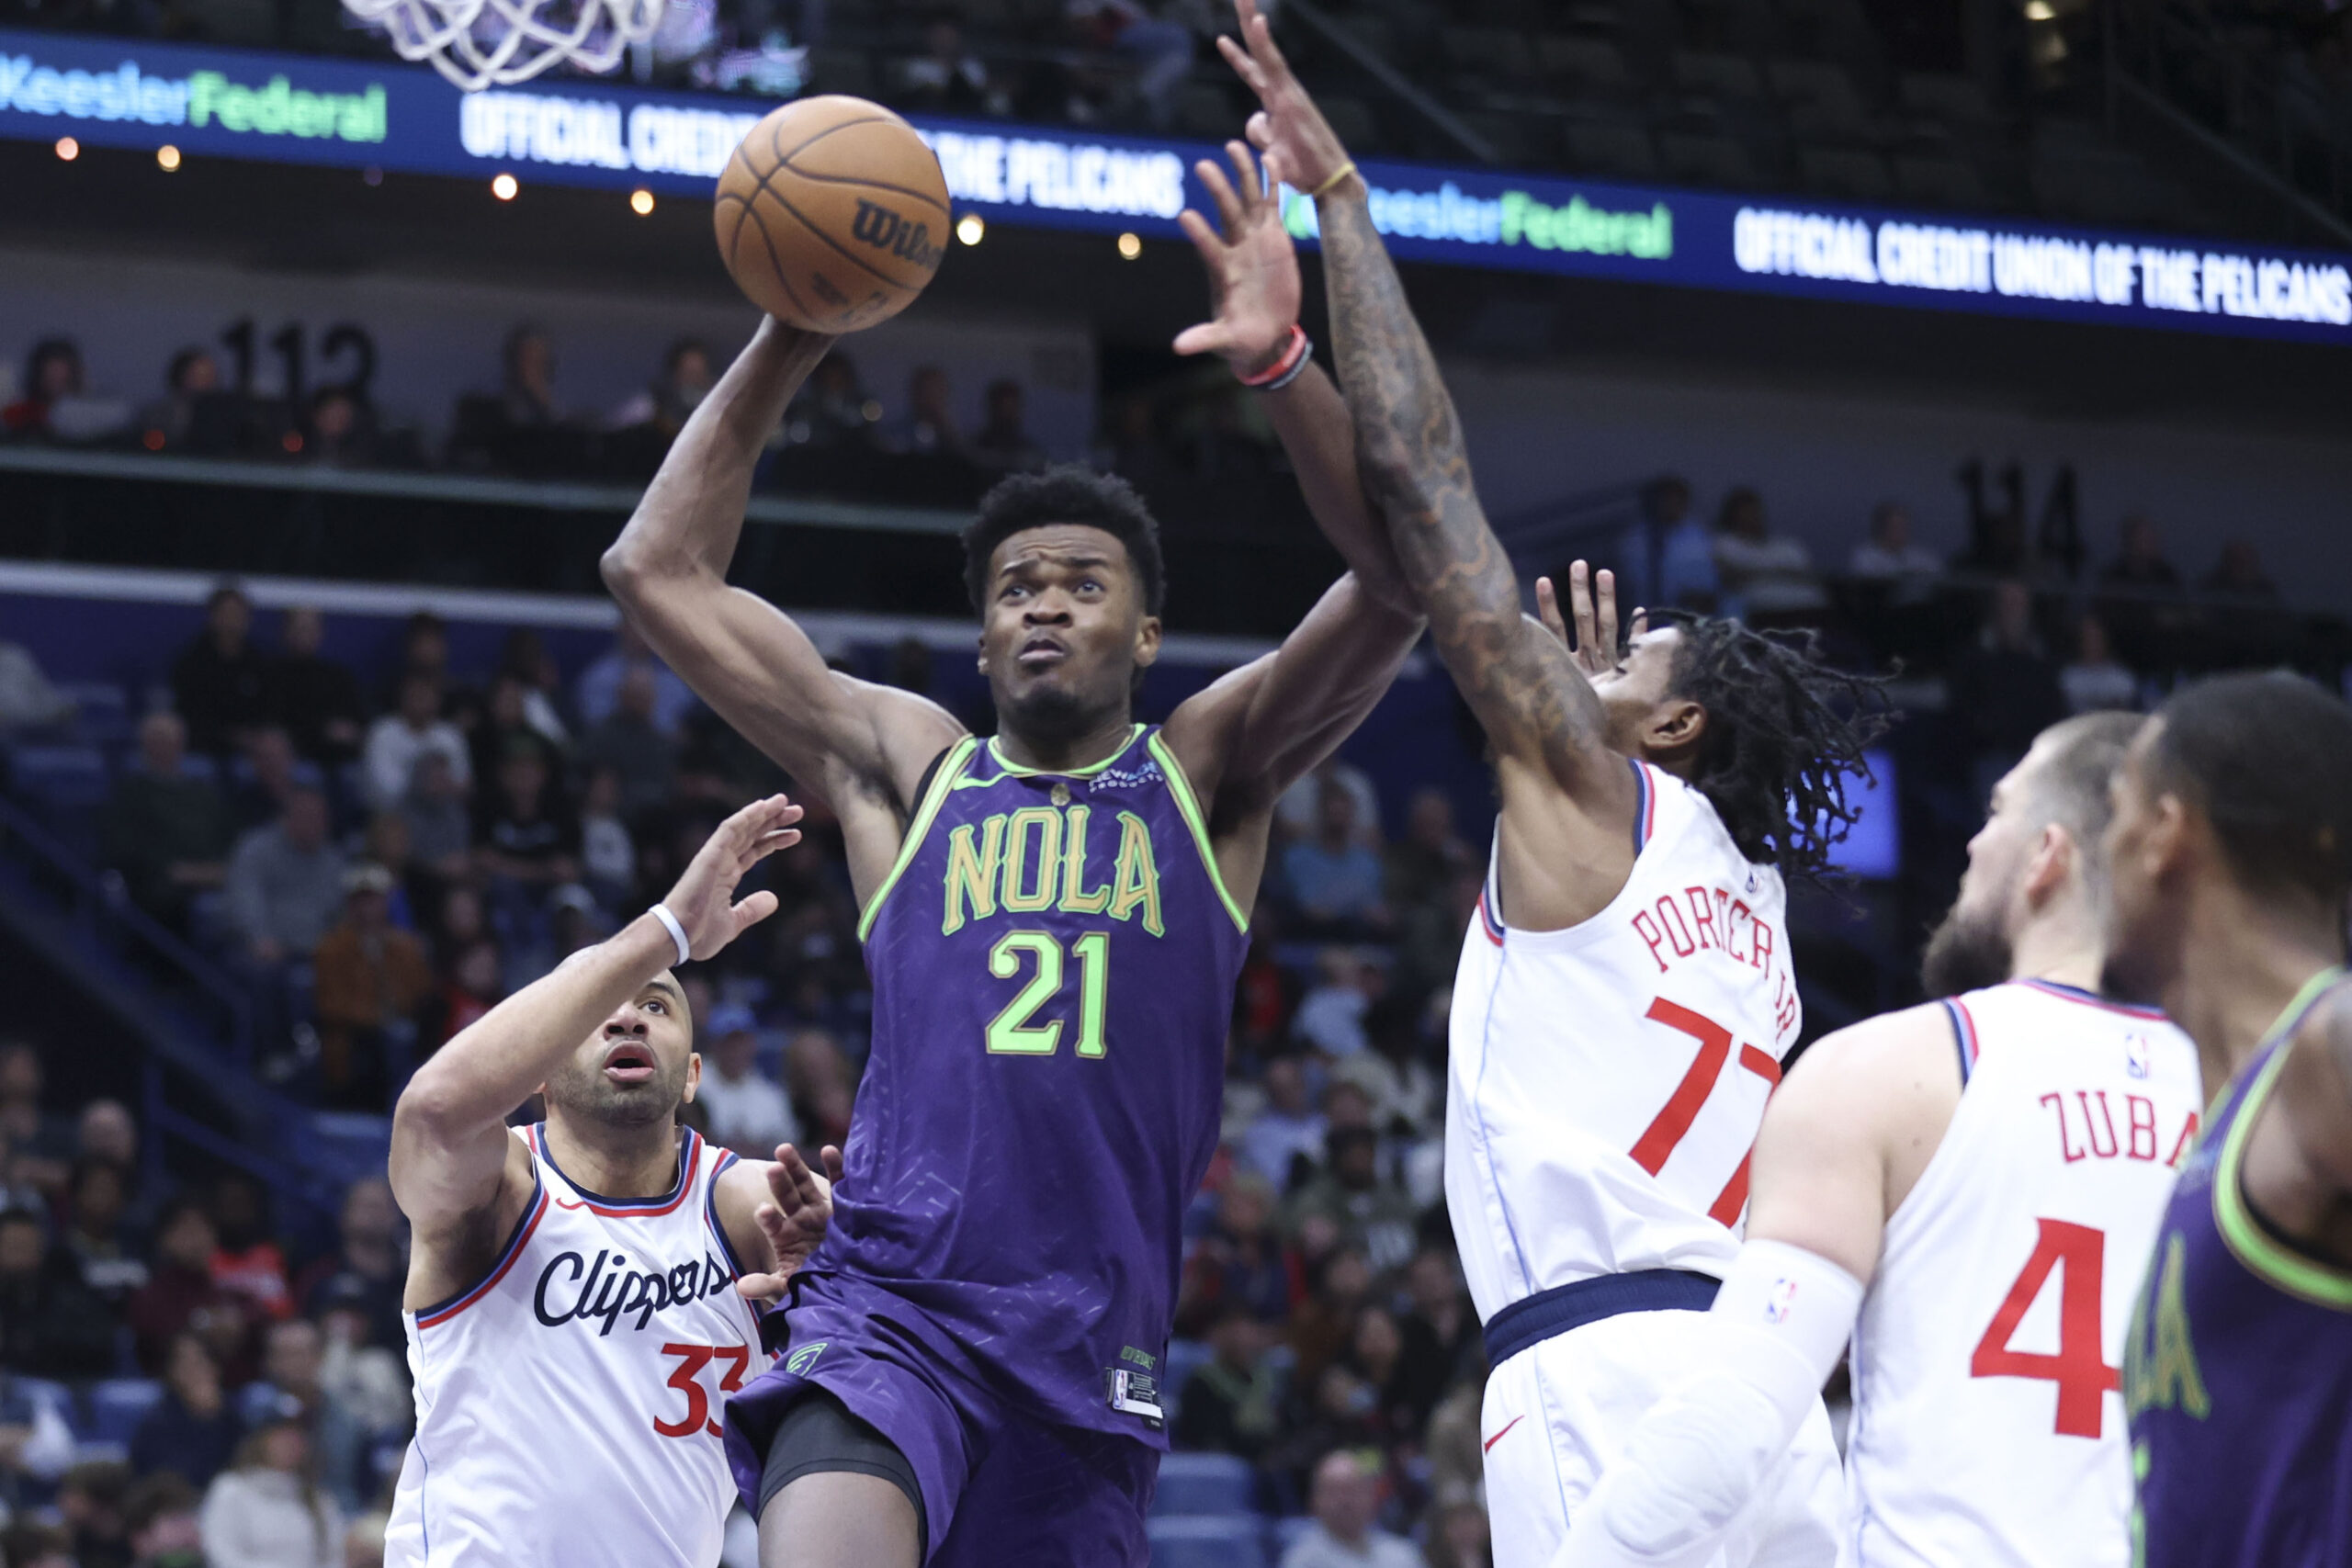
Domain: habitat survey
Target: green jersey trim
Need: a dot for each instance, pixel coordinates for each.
(2262, 1254)
(1014, 770)
(1181, 788)
(926, 810)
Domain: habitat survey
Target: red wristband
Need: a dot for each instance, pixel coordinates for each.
(1294, 351)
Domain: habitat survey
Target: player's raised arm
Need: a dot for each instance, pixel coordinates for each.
(452, 1160)
(859, 746)
(1254, 733)
(1524, 686)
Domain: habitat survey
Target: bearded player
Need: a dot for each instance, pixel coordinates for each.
(1925, 1182)
(1054, 919)
(579, 1293)
(1625, 996)
(2231, 849)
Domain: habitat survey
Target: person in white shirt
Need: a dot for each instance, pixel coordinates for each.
(2094, 678)
(747, 1112)
(267, 1511)
(1344, 1498)
(396, 740)
(1891, 552)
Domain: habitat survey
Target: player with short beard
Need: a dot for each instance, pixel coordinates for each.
(582, 1293)
(1922, 1182)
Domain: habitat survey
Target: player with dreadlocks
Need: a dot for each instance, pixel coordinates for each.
(1624, 997)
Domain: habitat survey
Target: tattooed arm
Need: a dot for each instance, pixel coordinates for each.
(1568, 800)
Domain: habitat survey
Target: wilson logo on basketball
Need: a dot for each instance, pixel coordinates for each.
(884, 229)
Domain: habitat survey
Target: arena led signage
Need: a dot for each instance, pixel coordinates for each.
(292, 109)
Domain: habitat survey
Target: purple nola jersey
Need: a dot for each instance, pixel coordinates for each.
(2238, 1374)
(1052, 959)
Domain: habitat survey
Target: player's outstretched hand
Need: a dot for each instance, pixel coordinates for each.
(794, 1220)
(703, 900)
(1253, 268)
(1593, 603)
(1287, 123)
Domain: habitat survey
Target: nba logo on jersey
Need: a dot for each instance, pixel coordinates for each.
(1781, 1301)
(2135, 1054)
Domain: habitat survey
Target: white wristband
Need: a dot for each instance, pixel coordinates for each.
(677, 932)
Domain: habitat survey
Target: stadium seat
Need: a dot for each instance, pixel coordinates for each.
(1707, 160)
(1232, 1541)
(1832, 171)
(1202, 1485)
(61, 776)
(101, 710)
(1622, 150)
(118, 1406)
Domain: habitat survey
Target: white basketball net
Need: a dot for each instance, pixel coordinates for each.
(483, 43)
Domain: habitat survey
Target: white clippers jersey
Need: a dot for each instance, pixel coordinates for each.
(1988, 1427)
(568, 1406)
(1608, 1079)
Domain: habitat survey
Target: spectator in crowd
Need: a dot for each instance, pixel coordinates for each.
(40, 1140)
(1429, 937)
(1442, 1342)
(2141, 563)
(169, 423)
(662, 406)
(372, 980)
(369, 1252)
(36, 1546)
(339, 430)
(1160, 52)
(1764, 576)
(285, 882)
(1685, 571)
(267, 779)
(929, 426)
(106, 1131)
(1376, 1354)
(221, 681)
(525, 833)
(1287, 1136)
(947, 78)
(89, 1504)
(399, 738)
(608, 849)
(1890, 554)
(364, 1376)
(52, 1324)
(363, 1543)
(1299, 812)
(2238, 573)
(27, 698)
(1398, 1087)
(2094, 678)
(1368, 1211)
(598, 691)
(823, 1088)
(2005, 688)
(292, 1355)
(748, 1114)
(247, 1259)
(181, 1296)
(832, 412)
(165, 830)
(1458, 1532)
(161, 1513)
(470, 985)
(1003, 441)
(1232, 1403)
(438, 822)
(314, 696)
(527, 658)
(193, 1431)
(631, 743)
(99, 1238)
(268, 1511)
(1331, 1016)
(1421, 863)
(424, 650)
(1345, 1501)
(526, 388)
(52, 373)
(1334, 877)
(1240, 1261)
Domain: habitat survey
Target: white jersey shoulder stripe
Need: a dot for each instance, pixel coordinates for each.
(533, 1212)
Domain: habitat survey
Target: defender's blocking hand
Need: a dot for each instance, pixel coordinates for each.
(1252, 265)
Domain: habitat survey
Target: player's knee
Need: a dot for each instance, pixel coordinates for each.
(836, 1518)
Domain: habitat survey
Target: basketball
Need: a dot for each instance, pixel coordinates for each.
(832, 214)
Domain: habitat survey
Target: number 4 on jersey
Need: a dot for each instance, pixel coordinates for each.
(2082, 1374)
